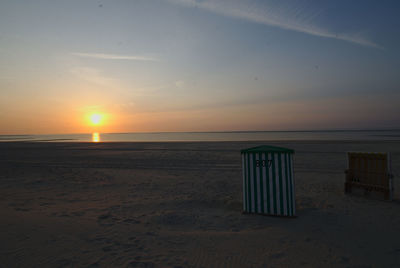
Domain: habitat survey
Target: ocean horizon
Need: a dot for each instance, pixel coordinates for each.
(308, 135)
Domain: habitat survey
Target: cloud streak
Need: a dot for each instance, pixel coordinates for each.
(93, 76)
(297, 16)
(103, 56)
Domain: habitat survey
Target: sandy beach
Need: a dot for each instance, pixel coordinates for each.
(180, 205)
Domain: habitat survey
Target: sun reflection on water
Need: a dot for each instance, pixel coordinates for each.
(96, 137)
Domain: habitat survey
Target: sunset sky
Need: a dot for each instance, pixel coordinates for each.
(184, 65)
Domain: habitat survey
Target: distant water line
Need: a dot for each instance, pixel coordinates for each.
(378, 135)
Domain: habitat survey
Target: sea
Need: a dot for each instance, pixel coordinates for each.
(350, 135)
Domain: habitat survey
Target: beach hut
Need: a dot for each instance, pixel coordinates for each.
(268, 181)
(371, 172)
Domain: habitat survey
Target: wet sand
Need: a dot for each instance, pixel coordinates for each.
(180, 205)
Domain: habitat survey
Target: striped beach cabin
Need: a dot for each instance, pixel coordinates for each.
(268, 182)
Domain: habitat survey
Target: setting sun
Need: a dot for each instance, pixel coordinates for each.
(96, 119)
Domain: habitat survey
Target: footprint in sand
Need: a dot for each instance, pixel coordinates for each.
(141, 264)
(278, 255)
(106, 220)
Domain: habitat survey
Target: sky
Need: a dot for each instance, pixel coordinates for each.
(198, 65)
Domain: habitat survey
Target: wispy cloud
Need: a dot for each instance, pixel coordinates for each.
(179, 84)
(103, 56)
(94, 76)
(297, 16)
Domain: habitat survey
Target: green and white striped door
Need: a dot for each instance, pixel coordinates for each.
(268, 182)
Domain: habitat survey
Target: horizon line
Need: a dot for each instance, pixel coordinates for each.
(219, 131)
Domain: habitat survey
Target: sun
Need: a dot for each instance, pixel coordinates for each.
(96, 119)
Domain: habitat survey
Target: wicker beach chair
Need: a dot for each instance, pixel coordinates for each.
(371, 172)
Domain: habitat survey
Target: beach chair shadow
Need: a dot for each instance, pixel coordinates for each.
(370, 172)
